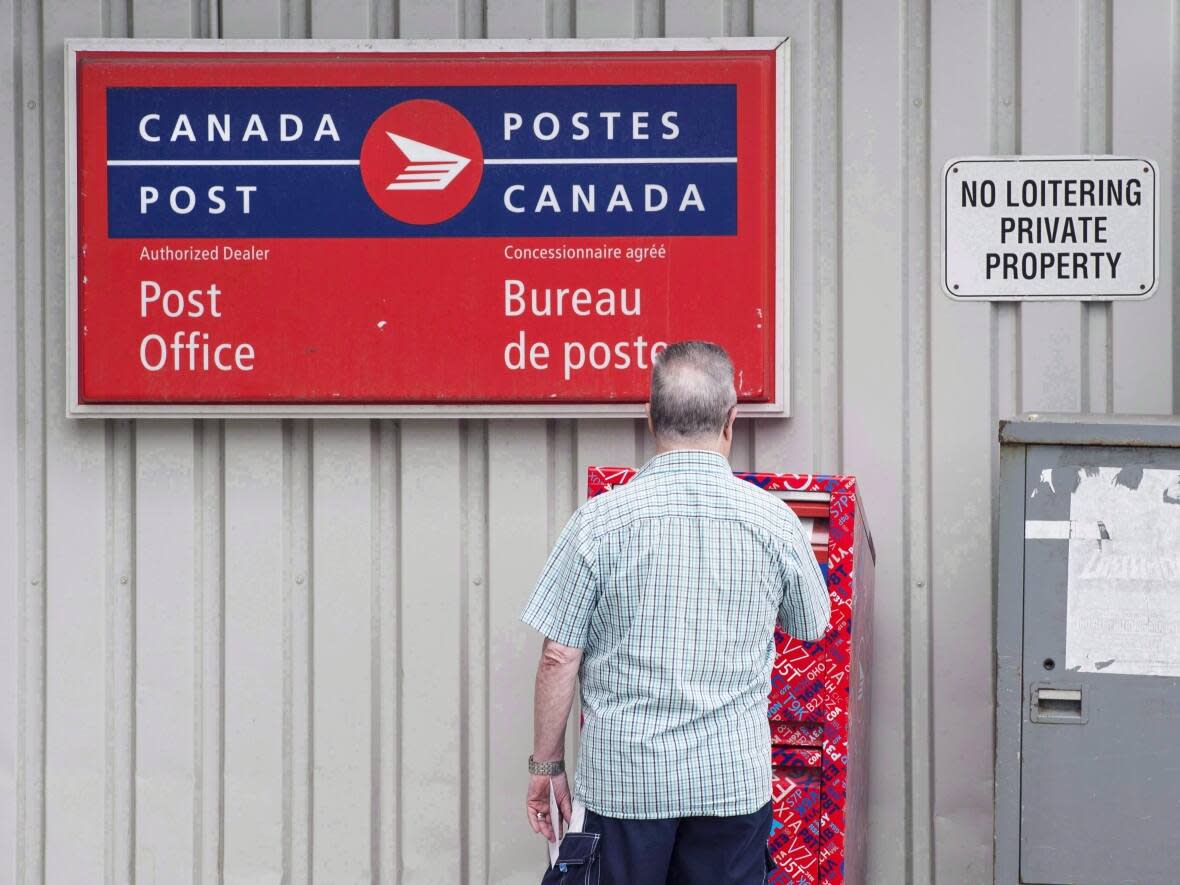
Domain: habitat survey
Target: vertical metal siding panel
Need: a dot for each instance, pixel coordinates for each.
(298, 588)
(514, 18)
(1004, 117)
(961, 451)
(253, 652)
(1051, 124)
(21, 609)
(342, 650)
(426, 19)
(120, 651)
(253, 18)
(161, 18)
(916, 463)
(209, 650)
(607, 18)
(166, 599)
(827, 412)
(77, 819)
(431, 768)
(567, 490)
(166, 639)
(1144, 342)
(1094, 99)
(11, 456)
(873, 355)
(1004, 325)
(385, 677)
(694, 18)
(340, 18)
(477, 648)
(791, 444)
(518, 536)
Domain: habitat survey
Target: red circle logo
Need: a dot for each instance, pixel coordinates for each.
(421, 161)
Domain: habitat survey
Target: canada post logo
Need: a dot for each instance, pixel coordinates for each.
(415, 180)
(400, 162)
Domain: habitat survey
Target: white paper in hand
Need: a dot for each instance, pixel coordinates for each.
(577, 817)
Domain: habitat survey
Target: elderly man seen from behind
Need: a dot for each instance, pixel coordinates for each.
(662, 596)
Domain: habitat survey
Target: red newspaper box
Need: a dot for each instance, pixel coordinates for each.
(819, 695)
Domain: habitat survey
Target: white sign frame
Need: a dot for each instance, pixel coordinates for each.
(948, 286)
(781, 405)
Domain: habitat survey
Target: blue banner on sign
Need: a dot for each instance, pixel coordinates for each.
(556, 161)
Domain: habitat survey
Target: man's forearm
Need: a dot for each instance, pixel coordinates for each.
(557, 675)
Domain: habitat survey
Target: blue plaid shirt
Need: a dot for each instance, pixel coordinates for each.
(671, 585)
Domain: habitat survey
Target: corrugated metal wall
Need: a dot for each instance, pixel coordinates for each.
(264, 651)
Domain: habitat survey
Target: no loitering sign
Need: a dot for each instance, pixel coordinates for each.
(1050, 228)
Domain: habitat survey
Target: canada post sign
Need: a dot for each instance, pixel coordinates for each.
(422, 231)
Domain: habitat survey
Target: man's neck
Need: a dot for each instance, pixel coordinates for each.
(664, 446)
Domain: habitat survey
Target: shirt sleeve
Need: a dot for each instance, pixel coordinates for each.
(805, 607)
(564, 598)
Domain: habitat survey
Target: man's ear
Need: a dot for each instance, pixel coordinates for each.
(727, 430)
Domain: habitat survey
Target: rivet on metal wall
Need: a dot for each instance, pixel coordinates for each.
(917, 102)
(920, 583)
(35, 581)
(299, 579)
(1007, 101)
(477, 581)
(123, 579)
(31, 105)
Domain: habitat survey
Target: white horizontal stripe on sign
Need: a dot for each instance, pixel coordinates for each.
(602, 161)
(233, 162)
(526, 161)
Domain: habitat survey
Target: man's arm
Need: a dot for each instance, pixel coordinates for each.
(560, 608)
(553, 697)
(806, 607)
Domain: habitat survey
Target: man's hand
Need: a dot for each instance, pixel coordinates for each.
(557, 674)
(536, 804)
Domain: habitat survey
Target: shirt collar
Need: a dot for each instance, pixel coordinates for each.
(682, 460)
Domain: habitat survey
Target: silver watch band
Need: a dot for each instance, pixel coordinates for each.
(557, 766)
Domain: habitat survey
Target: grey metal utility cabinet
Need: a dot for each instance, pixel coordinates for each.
(1088, 651)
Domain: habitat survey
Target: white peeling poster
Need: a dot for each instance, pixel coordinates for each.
(1124, 572)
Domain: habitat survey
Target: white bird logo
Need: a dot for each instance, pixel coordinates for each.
(430, 168)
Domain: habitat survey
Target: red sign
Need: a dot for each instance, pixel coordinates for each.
(489, 227)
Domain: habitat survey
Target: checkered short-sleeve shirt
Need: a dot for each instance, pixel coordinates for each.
(671, 585)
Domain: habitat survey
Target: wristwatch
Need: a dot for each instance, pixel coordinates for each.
(557, 766)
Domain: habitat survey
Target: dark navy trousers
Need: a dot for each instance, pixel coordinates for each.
(675, 851)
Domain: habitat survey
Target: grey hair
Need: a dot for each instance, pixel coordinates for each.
(691, 390)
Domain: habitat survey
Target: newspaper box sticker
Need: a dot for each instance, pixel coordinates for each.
(421, 162)
(1050, 227)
